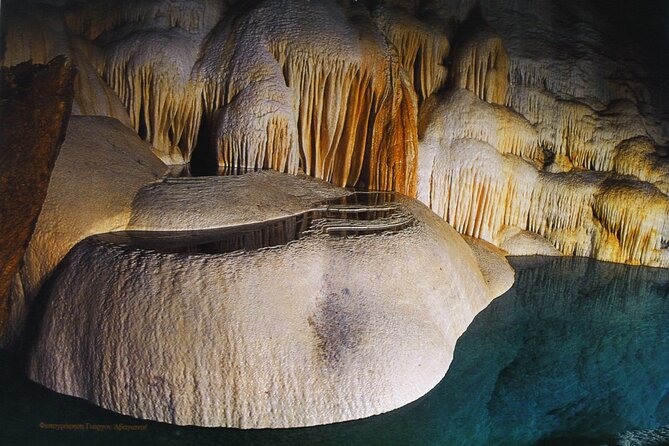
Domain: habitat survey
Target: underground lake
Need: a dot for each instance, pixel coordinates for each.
(576, 352)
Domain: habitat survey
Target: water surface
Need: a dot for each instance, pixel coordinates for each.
(576, 353)
(360, 213)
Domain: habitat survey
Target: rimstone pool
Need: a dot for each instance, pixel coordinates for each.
(357, 214)
(577, 352)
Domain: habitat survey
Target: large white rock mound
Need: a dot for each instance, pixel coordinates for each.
(357, 315)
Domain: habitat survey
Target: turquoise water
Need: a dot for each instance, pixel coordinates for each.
(576, 353)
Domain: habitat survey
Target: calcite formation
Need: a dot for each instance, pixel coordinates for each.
(38, 34)
(353, 312)
(414, 97)
(101, 166)
(344, 111)
(35, 103)
(481, 66)
(486, 189)
(259, 82)
(522, 160)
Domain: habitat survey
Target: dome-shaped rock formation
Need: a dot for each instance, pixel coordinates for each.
(347, 309)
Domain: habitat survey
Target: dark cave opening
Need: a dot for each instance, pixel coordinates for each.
(203, 162)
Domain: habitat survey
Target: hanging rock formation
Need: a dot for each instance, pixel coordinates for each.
(483, 185)
(342, 111)
(481, 66)
(423, 48)
(333, 89)
(537, 156)
(38, 33)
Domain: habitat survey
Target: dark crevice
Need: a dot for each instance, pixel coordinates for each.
(203, 160)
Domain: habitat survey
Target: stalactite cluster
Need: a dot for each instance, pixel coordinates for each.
(480, 65)
(515, 136)
(151, 73)
(93, 18)
(482, 189)
(40, 35)
(423, 49)
(345, 112)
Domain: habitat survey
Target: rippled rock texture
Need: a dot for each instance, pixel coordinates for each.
(594, 371)
(347, 309)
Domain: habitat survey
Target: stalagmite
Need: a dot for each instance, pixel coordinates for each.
(480, 65)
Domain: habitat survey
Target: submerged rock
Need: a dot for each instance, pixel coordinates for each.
(352, 312)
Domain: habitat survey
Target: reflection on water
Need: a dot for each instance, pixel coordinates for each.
(576, 352)
(188, 170)
(359, 213)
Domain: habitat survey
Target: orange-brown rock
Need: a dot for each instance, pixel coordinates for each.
(35, 105)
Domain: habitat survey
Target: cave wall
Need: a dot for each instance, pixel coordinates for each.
(35, 104)
(539, 118)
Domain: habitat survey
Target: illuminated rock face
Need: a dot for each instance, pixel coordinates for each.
(101, 166)
(317, 89)
(478, 172)
(350, 312)
(542, 155)
(529, 130)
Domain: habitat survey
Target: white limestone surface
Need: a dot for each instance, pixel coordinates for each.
(322, 329)
(497, 273)
(178, 204)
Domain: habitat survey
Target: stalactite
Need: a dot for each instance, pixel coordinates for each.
(480, 65)
(39, 34)
(561, 210)
(637, 214)
(93, 18)
(353, 116)
(584, 131)
(393, 165)
(482, 192)
(478, 190)
(35, 34)
(421, 47)
(464, 115)
(638, 157)
(540, 71)
(151, 73)
(269, 141)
